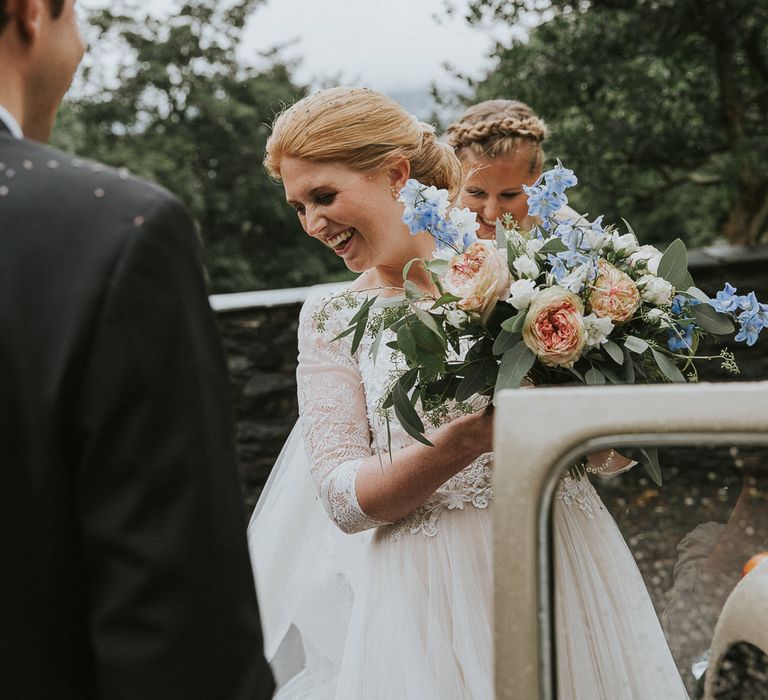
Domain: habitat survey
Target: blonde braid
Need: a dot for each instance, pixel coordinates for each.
(498, 127)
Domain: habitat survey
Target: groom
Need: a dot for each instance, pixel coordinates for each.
(124, 572)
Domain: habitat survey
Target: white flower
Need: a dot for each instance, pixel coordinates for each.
(526, 267)
(658, 316)
(575, 280)
(594, 239)
(438, 197)
(521, 293)
(655, 290)
(533, 246)
(464, 220)
(648, 254)
(624, 245)
(456, 318)
(598, 329)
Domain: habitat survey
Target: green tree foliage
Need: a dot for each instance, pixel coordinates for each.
(182, 110)
(661, 106)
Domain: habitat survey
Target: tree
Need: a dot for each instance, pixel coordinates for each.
(183, 111)
(660, 106)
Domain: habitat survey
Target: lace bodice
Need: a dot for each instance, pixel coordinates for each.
(340, 398)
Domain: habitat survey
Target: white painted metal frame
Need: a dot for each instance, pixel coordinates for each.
(538, 434)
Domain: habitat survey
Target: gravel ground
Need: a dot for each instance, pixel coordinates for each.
(701, 485)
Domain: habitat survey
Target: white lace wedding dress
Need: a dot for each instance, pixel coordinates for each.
(354, 609)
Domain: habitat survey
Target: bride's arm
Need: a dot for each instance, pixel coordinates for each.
(358, 490)
(416, 471)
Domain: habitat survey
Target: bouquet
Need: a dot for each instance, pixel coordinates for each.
(569, 301)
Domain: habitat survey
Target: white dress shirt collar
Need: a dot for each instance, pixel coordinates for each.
(13, 126)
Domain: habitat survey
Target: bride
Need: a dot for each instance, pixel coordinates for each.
(374, 569)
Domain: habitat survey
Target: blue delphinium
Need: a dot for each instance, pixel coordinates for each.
(726, 300)
(680, 337)
(750, 327)
(560, 179)
(425, 210)
(547, 195)
(749, 312)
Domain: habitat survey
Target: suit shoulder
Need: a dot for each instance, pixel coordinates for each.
(79, 181)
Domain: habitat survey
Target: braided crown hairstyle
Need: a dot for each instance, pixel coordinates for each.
(362, 129)
(497, 128)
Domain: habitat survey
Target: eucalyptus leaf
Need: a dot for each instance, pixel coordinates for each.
(696, 293)
(428, 320)
(408, 266)
(511, 257)
(437, 265)
(673, 265)
(345, 333)
(365, 307)
(362, 324)
(611, 375)
(501, 235)
(515, 323)
(613, 351)
(505, 341)
(412, 291)
(373, 353)
(406, 342)
(425, 338)
(445, 299)
(515, 364)
(478, 377)
(629, 368)
(594, 376)
(650, 460)
(553, 245)
(629, 227)
(668, 367)
(711, 321)
(407, 415)
(635, 344)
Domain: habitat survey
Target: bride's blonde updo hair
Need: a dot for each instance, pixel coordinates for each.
(362, 129)
(497, 128)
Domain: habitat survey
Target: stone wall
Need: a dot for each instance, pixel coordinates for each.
(259, 332)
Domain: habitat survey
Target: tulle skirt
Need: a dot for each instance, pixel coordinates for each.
(609, 640)
(382, 615)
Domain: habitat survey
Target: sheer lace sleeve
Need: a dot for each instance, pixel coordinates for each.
(333, 413)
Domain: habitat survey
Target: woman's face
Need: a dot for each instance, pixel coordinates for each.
(354, 213)
(494, 187)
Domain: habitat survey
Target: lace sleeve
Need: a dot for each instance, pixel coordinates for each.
(334, 420)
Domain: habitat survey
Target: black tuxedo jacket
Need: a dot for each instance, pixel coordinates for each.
(124, 571)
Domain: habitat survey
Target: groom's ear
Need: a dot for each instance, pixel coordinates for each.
(26, 17)
(398, 170)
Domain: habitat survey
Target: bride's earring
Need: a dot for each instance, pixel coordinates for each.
(394, 192)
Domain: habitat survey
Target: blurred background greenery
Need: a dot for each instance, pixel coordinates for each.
(660, 106)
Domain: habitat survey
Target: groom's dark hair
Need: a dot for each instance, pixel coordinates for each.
(56, 7)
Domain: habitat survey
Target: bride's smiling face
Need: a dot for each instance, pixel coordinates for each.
(354, 213)
(494, 186)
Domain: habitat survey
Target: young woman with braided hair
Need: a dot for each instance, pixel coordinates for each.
(499, 143)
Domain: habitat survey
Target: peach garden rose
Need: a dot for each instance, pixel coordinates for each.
(554, 327)
(479, 276)
(615, 295)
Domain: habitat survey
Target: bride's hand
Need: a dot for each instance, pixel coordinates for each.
(473, 433)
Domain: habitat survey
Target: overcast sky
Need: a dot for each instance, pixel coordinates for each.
(390, 45)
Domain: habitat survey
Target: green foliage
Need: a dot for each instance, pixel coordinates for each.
(660, 106)
(184, 111)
